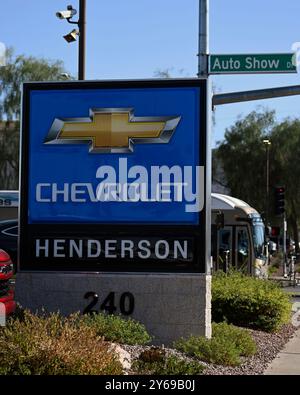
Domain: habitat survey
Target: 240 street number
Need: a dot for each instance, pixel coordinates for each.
(126, 303)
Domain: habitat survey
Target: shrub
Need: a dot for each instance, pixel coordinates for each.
(227, 345)
(159, 364)
(154, 354)
(117, 329)
(54, 346)
(272, 269)
(249, 302)
(238, 336)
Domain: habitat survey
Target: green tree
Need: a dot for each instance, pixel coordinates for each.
(242, 156)
(285, 169)
(18, 69)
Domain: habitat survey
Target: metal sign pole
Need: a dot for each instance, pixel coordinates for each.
(203, 73)
(203, 38)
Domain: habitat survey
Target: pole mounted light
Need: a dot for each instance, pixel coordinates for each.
(266, 141)
(72, 36)
(80, 32)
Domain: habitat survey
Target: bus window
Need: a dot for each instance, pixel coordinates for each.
(225, 249)
(259, 240)
(242, 249)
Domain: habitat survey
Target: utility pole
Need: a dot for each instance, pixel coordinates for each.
(82, 40)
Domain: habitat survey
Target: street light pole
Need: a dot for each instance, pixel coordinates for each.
(80, 32)
(267, 143)
(82, 40)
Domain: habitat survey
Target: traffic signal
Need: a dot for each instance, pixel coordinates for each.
(279, 200)
(220, 221)
(275, 231)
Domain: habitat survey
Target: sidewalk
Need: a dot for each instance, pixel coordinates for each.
(288, 360)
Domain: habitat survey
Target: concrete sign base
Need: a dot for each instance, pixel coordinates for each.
(169, 305)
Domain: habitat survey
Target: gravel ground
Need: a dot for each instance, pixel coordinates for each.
(268, 346)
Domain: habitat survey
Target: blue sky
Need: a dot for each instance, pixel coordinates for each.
(134, 38)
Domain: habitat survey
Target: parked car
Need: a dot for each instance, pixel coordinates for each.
(9, 238)
(6, 290)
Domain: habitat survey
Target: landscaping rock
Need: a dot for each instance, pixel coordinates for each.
(123, 355)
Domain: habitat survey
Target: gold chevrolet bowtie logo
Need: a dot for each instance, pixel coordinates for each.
(112, 130)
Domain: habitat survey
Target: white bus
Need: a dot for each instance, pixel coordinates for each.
(238, 237)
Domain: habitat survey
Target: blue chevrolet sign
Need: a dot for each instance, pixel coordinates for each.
(113, 175)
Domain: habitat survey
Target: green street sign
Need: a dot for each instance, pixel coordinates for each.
(257, 63)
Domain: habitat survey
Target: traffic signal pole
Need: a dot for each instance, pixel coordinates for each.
(203, 38)
(280, 210)
(203, 73)
(259, 94)
(284, 245)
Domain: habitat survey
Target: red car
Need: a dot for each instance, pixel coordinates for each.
(6, 292)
